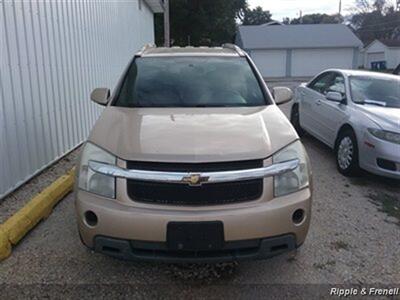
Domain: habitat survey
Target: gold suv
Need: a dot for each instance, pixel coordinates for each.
(192, 161)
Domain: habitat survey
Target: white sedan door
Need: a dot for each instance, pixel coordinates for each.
(311, 97)
(330, 114)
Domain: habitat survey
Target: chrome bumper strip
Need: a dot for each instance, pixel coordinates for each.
(194, 178)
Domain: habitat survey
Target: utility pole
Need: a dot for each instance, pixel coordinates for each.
(340, 7)
(166, 24)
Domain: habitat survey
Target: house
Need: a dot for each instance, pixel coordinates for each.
(382, 54)
(299, 50)
(53, 54)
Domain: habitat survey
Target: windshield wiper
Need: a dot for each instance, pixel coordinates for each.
(374, 102)
(209, 105)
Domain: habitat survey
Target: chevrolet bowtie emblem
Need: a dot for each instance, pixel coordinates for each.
(194, 179)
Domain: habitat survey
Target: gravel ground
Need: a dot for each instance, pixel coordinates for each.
(14, 201)
(354, 239)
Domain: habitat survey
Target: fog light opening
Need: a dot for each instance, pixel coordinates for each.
(298, 216)
(111, 249)
(91, 218)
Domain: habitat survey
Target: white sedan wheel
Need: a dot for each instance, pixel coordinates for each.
(345, 153)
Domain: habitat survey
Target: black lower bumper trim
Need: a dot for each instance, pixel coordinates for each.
(231, 251)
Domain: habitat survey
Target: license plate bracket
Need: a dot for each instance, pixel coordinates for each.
(195, 236)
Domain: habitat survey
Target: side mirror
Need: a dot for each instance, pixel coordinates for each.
(100, 96)
(334, 96)
(282, 95)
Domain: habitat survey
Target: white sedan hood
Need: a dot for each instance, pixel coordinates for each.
(386, 117)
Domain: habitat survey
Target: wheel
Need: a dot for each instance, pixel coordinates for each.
(346, 150)
(295, 120)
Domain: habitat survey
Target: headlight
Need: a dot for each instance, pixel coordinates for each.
(388, 136)
(94, 182)
(295, 180)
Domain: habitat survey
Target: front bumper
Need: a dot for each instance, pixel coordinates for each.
(256, 220)
(158, 251)
(372, 149)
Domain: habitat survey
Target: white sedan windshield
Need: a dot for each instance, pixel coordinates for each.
(375, 91)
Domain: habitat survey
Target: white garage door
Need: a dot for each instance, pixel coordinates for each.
(309, 62)
(375, 57)
(271, 63)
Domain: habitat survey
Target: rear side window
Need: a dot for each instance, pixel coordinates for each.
(190, 82)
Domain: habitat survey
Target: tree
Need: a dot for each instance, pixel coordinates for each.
(375, 20)
(256, 16)
(367, 6)
(318, 19)
(201, 22)
(379, 5)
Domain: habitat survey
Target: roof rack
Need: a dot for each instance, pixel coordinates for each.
(145, 47)
(234, 48)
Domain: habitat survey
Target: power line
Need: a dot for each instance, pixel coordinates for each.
(381, 23)
(375, 30)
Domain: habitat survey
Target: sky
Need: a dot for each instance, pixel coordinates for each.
(291, 8)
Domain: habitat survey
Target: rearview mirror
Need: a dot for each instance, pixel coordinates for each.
(334, 96)
(282, 95)
(100, 96)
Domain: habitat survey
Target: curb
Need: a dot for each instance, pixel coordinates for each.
(38, 208)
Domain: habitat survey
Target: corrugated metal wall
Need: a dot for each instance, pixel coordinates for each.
(53, 53)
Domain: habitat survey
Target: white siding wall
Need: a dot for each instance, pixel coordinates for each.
(393, 57)
(374, 52)
(271, 63)
(53, 53)
(302, 62)
(309, 62)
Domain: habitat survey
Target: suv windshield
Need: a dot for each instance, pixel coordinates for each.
(190, 82)
(375, 91)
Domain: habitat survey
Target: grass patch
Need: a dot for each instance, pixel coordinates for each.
(387, 203)
(325, 265)
(338, 245)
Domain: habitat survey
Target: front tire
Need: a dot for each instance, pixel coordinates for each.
(346, 151)
(295, 120)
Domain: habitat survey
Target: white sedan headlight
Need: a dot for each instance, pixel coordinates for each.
(295, 180)
(385, 135)
(95, 182)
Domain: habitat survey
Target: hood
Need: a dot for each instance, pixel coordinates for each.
(386, 117)
(192, 134)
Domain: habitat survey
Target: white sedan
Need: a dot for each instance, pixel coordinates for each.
(356, 113)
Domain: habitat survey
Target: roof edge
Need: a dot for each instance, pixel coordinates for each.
(245, 32)
(306, 47)
(386, 44)
(156, 6)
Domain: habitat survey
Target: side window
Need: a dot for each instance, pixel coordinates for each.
(337, 85)
(321, 83)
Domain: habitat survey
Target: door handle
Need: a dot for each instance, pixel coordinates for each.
(318, 102)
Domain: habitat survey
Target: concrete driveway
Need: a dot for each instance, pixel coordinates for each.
(354, 239)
